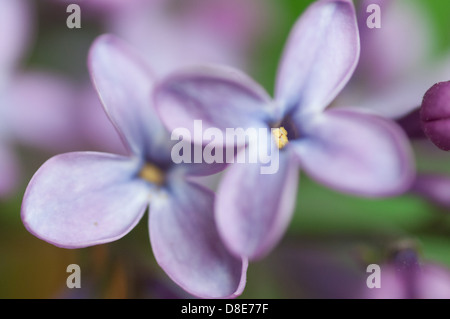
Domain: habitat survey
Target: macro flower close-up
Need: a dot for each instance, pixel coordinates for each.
(224, 149)
(99, 197)
(347, 150)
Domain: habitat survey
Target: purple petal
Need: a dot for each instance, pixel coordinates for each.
(15, 27)
(9, 171)
(124, 85)
(253, 209)
(389, 53)
(187, 246)
(433, 283)
(356, 153)
(41, 111)
(96, 128)
(394, 101)
(234, 23)
(82, 199)
(392, 286)
(219, 31)
(435, 113)
(320, 56)
(435, 188)
(220, 97)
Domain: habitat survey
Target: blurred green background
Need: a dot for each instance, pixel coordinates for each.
(324, 220)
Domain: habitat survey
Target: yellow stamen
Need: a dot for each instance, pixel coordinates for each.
(281, 138)
(152, 174)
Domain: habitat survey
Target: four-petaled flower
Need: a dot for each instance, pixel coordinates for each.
(345, 149)
(82, 199)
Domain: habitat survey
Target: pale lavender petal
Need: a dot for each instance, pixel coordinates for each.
(95, 127)
(219, 97)
(320, 56)
(356, 153)
(41, 111)
(106, 6)
(433, 187)
(253, 210)
(219, 31)
(15, 31)
(396, 100)
(433, 283)
(82, 199)
(187, 246)
(390, 53)
(124, 85)
(392, 285)
(9, 171)
(234, 23)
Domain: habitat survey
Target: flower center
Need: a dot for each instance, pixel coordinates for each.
(280, 135)
(152, 174)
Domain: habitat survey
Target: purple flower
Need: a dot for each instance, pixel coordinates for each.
(218, 31)
(344, 149)
(406, 278)
(395, 68)
(82, 199)
(433, 187)
(14, 15)
(38, 109)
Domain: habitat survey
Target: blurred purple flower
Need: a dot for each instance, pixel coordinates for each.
(81, 199)
(14, 15)
(346, 150)
(394, 69)
(434, 187)
(405, 278)
(38, 108)
(339, 271)
(172, 33)
(198, 31)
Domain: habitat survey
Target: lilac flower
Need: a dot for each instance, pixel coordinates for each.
(394, 72)
(199, 31)
(37, 107)
(12, 15)
(345, 149)
(82, 199)
(434, 187)
(172, 33)
(406, 278)
(394, 69)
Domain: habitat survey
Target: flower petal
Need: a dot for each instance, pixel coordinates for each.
(320, 56)
(356, 153)
(41, 111)
(187, 246)
(392, 286)
(124, 85)
(434, 187)
(15, 28)
(433, 282)
(220, 97)
(389, 53)
(253, 209)
(82, 199)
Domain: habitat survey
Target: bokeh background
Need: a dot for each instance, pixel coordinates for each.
(48, 107)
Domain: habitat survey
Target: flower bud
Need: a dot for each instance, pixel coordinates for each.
(435, 115)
